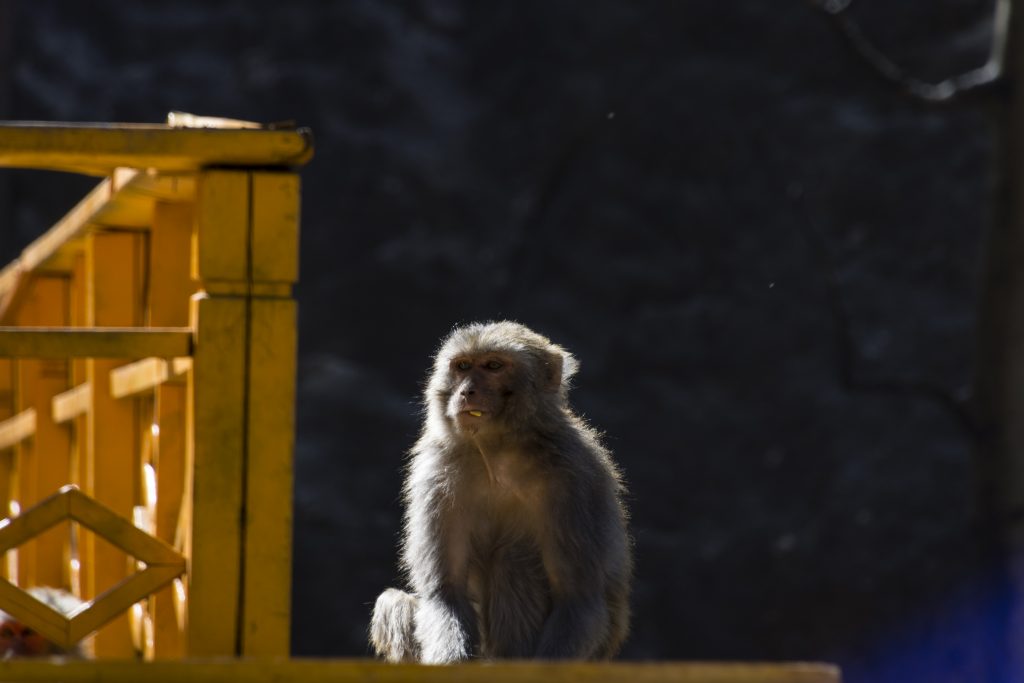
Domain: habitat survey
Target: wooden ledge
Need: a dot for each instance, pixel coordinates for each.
(99, 148)
(367, 671)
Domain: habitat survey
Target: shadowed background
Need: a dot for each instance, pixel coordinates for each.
(765, 259)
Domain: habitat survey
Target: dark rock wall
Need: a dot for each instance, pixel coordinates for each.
(666, 188)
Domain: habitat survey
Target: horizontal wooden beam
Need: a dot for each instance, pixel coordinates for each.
(96, 342)
(70, 404)
(99, 148)
(145, 375)
(18, 428)
(366, 670)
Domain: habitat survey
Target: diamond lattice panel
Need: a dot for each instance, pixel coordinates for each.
(162, 565)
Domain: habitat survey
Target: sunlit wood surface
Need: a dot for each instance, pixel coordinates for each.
(97, 149)
(366, 671)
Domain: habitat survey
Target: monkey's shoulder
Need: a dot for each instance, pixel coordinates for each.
(578, 450)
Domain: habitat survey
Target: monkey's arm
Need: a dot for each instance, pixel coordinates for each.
(575, 551)
(436, 554)
(575, 629)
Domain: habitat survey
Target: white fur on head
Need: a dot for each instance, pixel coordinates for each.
(506, 335)
(570, 366)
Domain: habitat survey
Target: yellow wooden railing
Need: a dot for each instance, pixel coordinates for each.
(147, 382)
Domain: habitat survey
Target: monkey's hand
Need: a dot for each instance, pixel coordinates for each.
(573, 629)
(444, 631)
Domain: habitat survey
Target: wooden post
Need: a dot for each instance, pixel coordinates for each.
(6, 454)
(217, 406)
(266, 606)
(114, 273)
(44, 459)
(170, 289)
(81, 573)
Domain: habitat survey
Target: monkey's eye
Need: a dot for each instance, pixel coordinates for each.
(463, 365)
(494, 365)
(6, 632)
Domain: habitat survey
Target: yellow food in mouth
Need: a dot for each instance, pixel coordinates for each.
(475, 413)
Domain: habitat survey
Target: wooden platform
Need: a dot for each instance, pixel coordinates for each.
(368, 671)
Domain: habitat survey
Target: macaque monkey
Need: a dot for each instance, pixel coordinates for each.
(20, 640)
(515, 541)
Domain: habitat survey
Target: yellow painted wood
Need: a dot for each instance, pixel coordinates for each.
(112, 604)
(115, 264)
(15, 429)
(144, 512)
(45, 459)
(171, 287)
(222, 226)
(367, 671)
(72, 403)
(79, 573)
(266, 608)
(169, 458)
(9, 276)
(239, 232)
(6, 455)
(275, 227)
(122, 201)
(141, 376)
(100, 148)
(114, 271)
(128, 199)
(104, 342)
(21, 283)
(67, 630)
(135, 195)
(162, 563)
(268, 549)
(15, 531)
(72, 226)
(158, 187)
(120, 531)
(170, 278)
(216, 403)
(268, 289)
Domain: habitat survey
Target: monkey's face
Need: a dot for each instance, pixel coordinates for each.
(18, 640)
(482, 386)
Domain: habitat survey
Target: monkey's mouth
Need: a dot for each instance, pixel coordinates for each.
(468, 416)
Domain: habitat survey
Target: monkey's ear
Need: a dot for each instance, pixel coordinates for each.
(560, 366)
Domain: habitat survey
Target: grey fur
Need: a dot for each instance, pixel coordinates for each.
(516, 541)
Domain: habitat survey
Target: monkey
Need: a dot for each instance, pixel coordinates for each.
(515, 540)
(20, 640)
